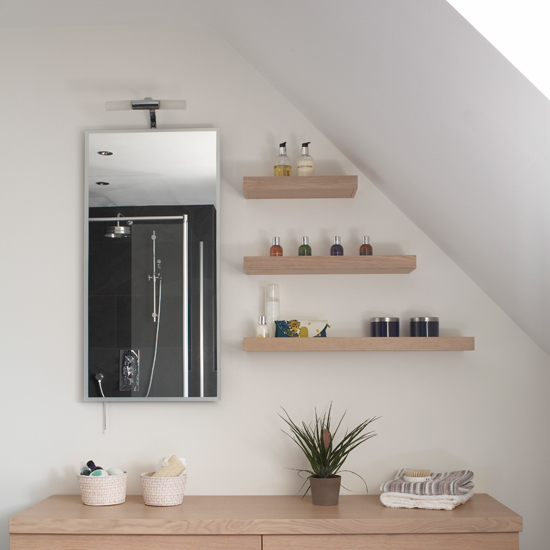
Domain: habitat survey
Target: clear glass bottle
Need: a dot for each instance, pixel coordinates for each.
(276, 248)
(336, 249)
(304, 166)
(272, 307)
(366, 248)
(282, 164)
(261, 330)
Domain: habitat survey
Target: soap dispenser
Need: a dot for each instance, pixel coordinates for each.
(304, 166)
(282, 164)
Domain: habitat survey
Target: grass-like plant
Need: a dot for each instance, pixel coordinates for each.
(317, 441)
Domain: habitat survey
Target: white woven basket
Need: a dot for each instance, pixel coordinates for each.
(103, 490)
(162, 491)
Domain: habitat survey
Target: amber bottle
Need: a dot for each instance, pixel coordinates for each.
(366, 248)
(276, 248)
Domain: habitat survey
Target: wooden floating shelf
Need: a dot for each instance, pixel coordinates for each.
(327, 265)
(300, 187)
(440, 343)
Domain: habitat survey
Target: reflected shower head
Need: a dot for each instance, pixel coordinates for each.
(117, 231)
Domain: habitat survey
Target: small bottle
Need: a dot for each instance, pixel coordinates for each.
(282, 164)
(272, 306)
(366, 248)
(261, 330)
(305, 249)
(304, 166)
(276, 248)
(336, 249)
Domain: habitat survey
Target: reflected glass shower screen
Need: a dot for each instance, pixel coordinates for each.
(156, 324)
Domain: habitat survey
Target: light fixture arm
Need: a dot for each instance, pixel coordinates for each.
(147, 104)
(151, 105)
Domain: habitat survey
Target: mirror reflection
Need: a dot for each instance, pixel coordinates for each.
(152, 299)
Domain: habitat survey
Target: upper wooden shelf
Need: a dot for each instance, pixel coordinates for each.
(319, 265)
(300, 187)
(402, 343)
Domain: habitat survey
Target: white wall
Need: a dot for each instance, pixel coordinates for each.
(484, 410)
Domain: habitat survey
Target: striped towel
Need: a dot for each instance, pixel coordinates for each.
(447, 483)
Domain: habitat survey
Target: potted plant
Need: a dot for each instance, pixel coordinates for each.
(326, 457)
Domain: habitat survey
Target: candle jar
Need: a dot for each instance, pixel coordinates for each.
(424, 326)
(384, 326)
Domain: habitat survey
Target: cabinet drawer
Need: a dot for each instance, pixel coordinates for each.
(452, 541)
(134, 542)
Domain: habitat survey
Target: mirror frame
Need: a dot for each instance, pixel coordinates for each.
(86, 272)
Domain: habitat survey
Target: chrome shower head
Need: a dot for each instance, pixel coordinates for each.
(118, 231)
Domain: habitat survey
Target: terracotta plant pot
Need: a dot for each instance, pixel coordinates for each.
(325, 491)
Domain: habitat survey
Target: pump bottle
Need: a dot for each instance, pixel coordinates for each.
(282, 164)
(304, 166)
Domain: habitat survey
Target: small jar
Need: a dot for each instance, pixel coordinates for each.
(424, 326)
(384, 326)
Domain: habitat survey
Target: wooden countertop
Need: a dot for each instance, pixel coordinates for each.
(260, 515)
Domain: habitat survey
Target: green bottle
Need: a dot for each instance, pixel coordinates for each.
(305, 249)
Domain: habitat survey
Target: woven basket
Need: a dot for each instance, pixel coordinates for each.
(162, 491)
(103, 490)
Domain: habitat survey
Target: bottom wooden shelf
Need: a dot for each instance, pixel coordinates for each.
(402, 343)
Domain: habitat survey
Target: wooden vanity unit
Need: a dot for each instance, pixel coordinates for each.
(62, 522)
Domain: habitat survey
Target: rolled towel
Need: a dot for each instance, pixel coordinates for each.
(428, 502)
(459, 482)
(171, 467)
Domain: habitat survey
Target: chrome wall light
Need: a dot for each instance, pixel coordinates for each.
(147, 104)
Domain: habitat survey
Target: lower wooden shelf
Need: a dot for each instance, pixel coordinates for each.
(403, 343)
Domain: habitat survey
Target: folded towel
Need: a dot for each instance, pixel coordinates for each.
(447, 483)
(428, 502)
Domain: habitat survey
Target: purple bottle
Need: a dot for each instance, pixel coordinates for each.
(336, 249)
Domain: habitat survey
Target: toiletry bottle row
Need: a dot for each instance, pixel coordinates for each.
(335, 250)
(304, 166)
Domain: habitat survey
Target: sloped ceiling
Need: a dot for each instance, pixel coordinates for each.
(443, 124)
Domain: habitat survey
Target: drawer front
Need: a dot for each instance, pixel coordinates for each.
(134, 542)
(451, 541)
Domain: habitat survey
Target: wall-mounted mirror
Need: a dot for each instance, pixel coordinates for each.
(152, 279)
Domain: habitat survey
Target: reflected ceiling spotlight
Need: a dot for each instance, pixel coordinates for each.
(147, 104)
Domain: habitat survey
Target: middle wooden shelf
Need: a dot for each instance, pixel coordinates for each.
(326, 265)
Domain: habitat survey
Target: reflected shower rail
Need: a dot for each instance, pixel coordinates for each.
(121, 218)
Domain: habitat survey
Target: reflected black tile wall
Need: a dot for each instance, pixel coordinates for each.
(121, 300)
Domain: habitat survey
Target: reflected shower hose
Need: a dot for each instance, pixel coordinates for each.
(156, 338)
